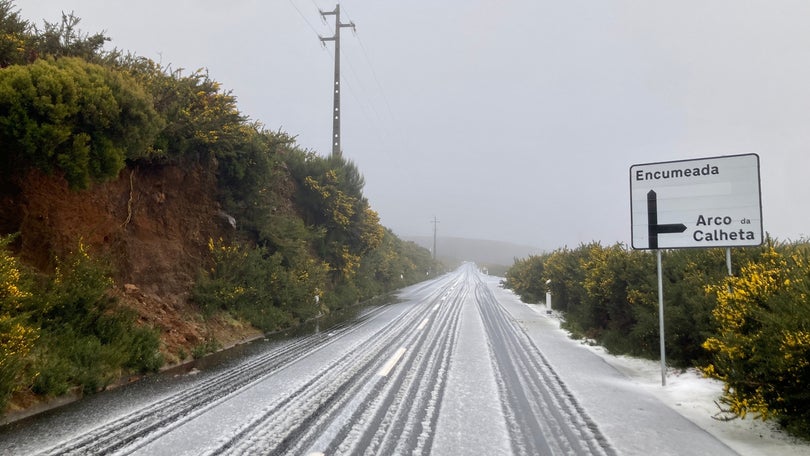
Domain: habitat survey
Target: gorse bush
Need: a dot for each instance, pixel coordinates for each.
(761, 349)
(330, 199)
(76, 117)
(252, 284)
(526, 278)
(273, 291)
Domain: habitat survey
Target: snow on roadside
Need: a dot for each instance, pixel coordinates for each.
(694, 397)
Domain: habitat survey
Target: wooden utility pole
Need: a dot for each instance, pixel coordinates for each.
(336, 113)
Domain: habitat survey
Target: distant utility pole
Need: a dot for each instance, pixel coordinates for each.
(435, 224)
(336, 38)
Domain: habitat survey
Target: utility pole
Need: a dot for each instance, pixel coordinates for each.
(435, 224)
(336, 38)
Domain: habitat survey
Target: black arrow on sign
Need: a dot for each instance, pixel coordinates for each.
(653, 228)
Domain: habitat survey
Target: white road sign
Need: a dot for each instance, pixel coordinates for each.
(705, 202)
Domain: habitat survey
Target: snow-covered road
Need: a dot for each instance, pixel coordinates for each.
(633, 422)
(456, 366)
(624, 395)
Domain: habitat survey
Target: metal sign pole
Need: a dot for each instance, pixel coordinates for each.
(661, 320)
(728, 260)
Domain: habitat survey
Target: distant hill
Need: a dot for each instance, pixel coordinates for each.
(452, 250)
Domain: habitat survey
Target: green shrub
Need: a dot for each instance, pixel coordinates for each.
(210, 345)
(68, 359)
(54, 373)
(143, 349)
(254, 285)
(87, 341)
(268, 318)
(91, 362)
(525, 278)
(76, 117)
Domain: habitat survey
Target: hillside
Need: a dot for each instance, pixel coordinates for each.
(145, 221)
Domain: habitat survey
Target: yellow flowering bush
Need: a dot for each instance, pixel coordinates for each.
(17, 336)
(762, 342)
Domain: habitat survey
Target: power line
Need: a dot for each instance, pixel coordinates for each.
(374, 76)
(380, 89)
(357, 77)
(304, 17)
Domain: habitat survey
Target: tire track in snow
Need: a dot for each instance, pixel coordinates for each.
(545, 418)
(411, 410)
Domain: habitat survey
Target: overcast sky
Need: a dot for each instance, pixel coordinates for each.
(510, 120)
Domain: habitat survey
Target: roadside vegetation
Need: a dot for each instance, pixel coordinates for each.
(305, 241)
(61, 331)
(750, 330)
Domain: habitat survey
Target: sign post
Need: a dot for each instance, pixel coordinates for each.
(697, 203)
(661, 341)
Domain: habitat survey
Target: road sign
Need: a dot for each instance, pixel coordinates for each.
(705, 202)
